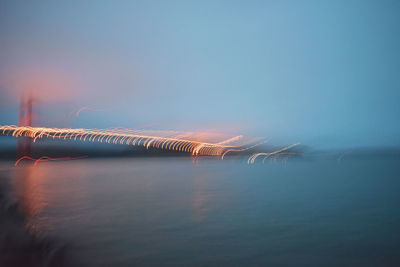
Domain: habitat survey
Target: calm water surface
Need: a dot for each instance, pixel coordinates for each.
(171, 212)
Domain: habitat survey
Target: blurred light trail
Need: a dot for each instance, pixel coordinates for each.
(278, 152)
(241, 149)
(45, 158)
(165, 140)
(78, 112)
(197, 144)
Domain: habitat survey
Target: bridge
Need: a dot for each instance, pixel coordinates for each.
(203, 145)
(132, 137)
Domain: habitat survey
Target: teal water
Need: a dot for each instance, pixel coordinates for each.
(171, 212)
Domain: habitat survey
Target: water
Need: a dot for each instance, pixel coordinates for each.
(171, 212)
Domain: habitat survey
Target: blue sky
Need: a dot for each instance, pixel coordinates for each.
(324, 73)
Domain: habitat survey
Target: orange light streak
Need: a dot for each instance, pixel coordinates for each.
(77, 113)
(46, 158)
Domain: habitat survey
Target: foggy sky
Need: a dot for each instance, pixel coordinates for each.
(324, 73)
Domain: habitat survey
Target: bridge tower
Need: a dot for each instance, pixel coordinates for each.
(25, 119)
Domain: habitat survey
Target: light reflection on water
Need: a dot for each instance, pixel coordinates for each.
(172, 212)
(43, 187)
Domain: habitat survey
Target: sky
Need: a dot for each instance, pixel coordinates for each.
(323, 73)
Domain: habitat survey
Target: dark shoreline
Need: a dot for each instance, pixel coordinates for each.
(19, 247)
